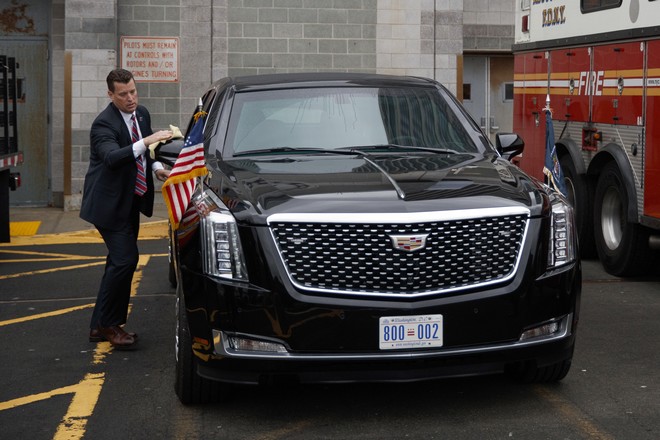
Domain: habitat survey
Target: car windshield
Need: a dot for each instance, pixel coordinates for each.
(281, 121)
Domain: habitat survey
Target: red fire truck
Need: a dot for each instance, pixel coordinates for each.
(598, 61)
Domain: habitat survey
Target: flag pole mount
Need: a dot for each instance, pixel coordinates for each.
(547, 108)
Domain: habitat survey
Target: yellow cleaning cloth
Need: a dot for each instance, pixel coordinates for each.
(176, 134)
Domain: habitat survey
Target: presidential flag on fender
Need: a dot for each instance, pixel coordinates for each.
(552, 168)
(179, 187)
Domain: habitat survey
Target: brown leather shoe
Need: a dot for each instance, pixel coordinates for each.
(116, 336)
(95, 335)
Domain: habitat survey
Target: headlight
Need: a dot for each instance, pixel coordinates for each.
(221, 244)
(561, 249)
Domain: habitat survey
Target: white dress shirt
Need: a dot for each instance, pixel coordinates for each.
(139, 148)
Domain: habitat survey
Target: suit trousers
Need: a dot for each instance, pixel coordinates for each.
(114, 294)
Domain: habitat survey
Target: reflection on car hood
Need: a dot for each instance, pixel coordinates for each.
(255, 188)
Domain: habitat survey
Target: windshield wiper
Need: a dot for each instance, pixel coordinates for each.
(358, 150)
(396, 147)
(297, 150)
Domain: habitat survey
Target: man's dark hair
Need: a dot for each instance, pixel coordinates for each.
(118, 75)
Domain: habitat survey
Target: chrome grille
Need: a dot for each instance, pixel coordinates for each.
(361, 258)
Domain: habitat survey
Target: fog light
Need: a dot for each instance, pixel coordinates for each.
(540, 331)
(243, 344)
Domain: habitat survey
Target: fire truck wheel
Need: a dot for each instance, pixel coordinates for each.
(622, 246)
(578, 195)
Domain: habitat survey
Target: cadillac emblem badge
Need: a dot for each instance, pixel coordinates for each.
(409, 243)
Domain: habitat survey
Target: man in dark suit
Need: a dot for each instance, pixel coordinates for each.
(118, 187)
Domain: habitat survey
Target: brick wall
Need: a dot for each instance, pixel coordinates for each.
(270, 36)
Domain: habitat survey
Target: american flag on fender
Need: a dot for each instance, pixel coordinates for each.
(180, 185)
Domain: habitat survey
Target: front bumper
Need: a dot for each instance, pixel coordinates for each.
(316, 342)
(231, 365)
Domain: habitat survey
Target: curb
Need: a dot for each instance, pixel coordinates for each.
(148, 231)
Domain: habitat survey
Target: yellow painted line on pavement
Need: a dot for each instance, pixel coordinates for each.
(102, 350)
(47, 259)
(56, 269)
(86, 387)
(46, 256)
(292, 428)
(23, 228)
(82, 406)
(148, 231)
(573, 414)
(137, 275)
(9, 404)
(85, 236)
(85, 394)
(44, 315)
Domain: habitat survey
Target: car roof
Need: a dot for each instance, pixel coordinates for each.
(323, 79)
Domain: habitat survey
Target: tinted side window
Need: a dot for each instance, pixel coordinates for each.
(213, 112)
(596, 5)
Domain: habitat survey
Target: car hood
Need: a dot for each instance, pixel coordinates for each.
(254, 188)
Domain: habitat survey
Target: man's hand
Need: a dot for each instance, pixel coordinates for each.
(162, 174)
(158, 136)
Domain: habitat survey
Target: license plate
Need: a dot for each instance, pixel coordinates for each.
(422, 331)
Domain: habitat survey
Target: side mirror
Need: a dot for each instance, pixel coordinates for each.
(509, 145)
(168, 152)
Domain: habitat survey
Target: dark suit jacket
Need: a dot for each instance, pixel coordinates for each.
(109, 186)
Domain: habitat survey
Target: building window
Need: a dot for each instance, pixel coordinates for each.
(507, 92)
(467, 92)
(596, 5)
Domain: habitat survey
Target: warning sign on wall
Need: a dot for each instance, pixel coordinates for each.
(151, 59)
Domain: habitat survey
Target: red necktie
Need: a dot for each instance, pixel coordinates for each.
(141, 179)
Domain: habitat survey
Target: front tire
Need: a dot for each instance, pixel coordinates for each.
(170, 257)
(189, 386)
(622, 246)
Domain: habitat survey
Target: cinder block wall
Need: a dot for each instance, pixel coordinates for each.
(90, 36)
(238, 37)
(488, 25)
(269, 36)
